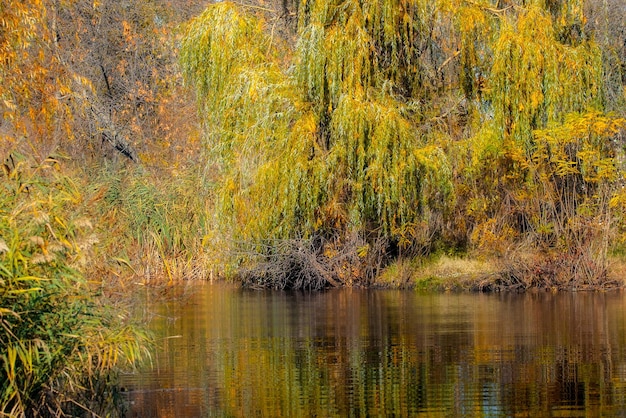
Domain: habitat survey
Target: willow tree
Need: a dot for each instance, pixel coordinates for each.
(326, 146)
(544, 159)
(402, 122)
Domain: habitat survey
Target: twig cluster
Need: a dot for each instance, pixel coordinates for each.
(288, 264)
(575, 270)
(312, 264)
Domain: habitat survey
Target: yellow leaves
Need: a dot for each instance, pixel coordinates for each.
(346, 59)
(10, 107)
(536, 98)
(252, 92)
(564, 168)
(307, 123)
(582, 127)
(572, 11)
(477, 207)
(31, 76)
(605, 171)
(606, 126)
(535, 79)
(471, 18)
(579, 146)
(219, 47)
(493, 236)
(486, 145)
(618, 200)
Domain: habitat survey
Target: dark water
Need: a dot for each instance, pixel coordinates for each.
(230, 352)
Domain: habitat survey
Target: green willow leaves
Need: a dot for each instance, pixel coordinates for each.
(417, 122)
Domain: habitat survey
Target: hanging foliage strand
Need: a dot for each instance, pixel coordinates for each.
(397, 118)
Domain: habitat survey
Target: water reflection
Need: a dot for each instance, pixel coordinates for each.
(386, 353)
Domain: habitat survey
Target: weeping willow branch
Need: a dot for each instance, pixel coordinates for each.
(355, 134)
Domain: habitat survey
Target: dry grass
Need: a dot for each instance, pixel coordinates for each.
(439, 273)
(519, 272)
(149, 227)
(616, 270)
(461, 268)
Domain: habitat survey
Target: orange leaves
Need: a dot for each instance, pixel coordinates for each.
(126, 31)
(31, 78)
(130, 35)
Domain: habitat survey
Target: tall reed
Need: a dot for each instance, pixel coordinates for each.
(60, 344)
(150, 225)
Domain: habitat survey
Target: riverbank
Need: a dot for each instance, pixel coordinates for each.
(457, 273)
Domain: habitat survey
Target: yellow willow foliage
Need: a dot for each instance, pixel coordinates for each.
(351, 46)
(246, 107)
(339, 155)
(289, 186)
(353, 56)
(218, 45)
(241, 90)
(481, 22)
(377, 174)
(351, 137)
(476, 26)
(535, 80)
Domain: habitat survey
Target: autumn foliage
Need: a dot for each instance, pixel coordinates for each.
(422, 125)
(78, 195)
(356, 132)
(290, 144)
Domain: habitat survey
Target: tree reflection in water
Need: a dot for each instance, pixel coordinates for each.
(379, 353)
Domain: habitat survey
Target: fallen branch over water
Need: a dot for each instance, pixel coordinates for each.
(288, 264)
(312, 264)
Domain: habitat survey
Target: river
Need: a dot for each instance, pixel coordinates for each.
(226, 351)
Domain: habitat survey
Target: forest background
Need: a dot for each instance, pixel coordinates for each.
(294, 144)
